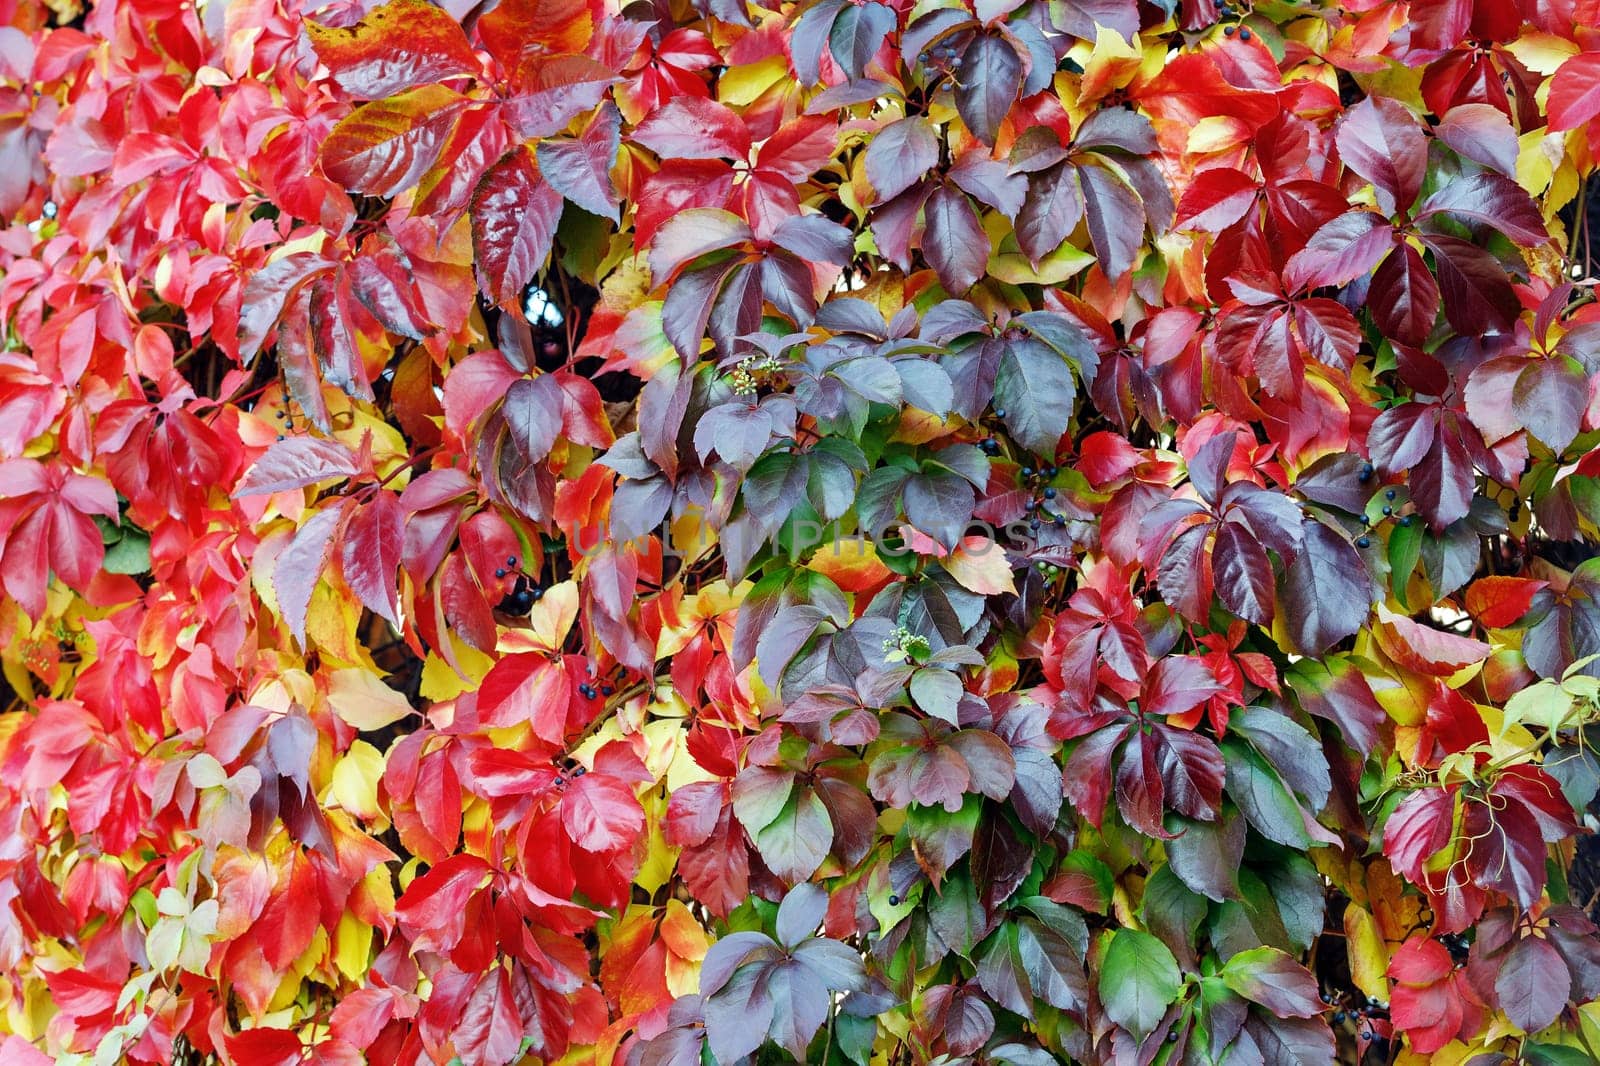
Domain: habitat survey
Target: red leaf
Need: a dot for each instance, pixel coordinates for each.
(1575, 92)
(385, 147)
(290, 919)
(266, 295)
(1437, 25)
(1215, 200)
(1383, 142)
(1416, 831)
(601, 813)
(580, 169)
(401, 45)
(370, 554)
(1141, 796)
(514, 216)
(1404, 298)
(264, 1047)
(1340, 251)
(16, 1050)
(691, 234)
(1178, 683)
(900, 154)
(1532, 984)
(300, 566)
(1493, 200)
(434, 906)
(1087, 777)
(799, 148)
(296, 462)
(490, 1030)
(692, 127)
(991, 75)
(1423, 649)
(526, 688)
(1498, 601)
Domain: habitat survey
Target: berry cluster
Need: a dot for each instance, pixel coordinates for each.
(524, 593)
(1227, 12)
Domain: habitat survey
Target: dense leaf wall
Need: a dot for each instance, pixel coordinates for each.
(739, 530)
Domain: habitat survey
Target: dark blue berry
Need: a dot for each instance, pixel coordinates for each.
(511, 560)
(894, 901)
(1387, 510)
(500, 572)
(1027, 471)
(1228, 31)
(1363, 542)
(1244, 35)
(1366, 472)
(1049, 493)
(1389, 495)
(999, 412)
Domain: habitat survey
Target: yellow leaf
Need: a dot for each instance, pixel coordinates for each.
(852, 564)
(1217, 133)
(1009, 265)
(362, 700)
(660, 858)
(1540, 156)
(743, 84)
(1542, 53)
(1111, 65)
(548, 623)
(980, 565)
(355, 947)
(1454, 1053)
(1369, 958)
(440, 681)
(355, 780)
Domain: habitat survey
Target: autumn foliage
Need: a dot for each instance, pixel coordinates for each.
(989, 532)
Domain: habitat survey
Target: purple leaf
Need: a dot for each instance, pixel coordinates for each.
(954, 242)
(991, 76)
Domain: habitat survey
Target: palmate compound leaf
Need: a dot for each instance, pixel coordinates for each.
(758, 989)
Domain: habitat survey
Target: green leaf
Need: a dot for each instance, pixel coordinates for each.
(796, 842)
(1545, 705)
(1405, 548)
(1277, 982)
(130, 554)
(1263, 797)
(937, 692)
(1139, 980)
